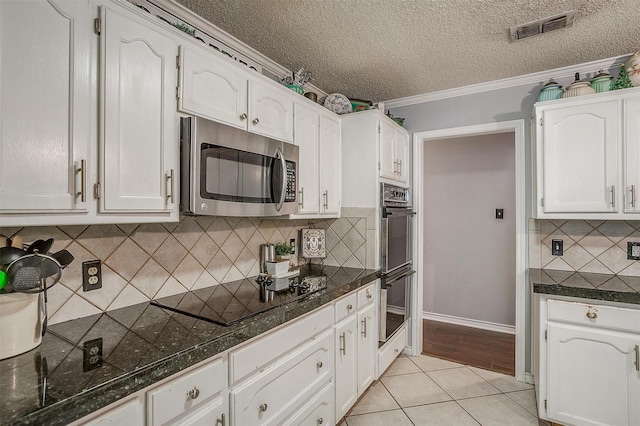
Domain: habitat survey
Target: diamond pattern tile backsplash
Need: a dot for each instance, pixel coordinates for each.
(589, 245)
(145, 261)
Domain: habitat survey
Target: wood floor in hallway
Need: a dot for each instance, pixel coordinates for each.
(485, 349)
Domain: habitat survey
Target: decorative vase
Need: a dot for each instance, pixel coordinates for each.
(296, 88)
(601, 82)
(633, 69)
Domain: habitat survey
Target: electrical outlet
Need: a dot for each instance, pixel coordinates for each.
(292, 242)
(92, 354)
(91, 275)
(499, 213)
(557, 247)
(633, 251)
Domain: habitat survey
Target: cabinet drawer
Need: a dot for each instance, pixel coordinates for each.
(624, 319)
(270, 397)
(346, 306)
(190, 390)
(256, 355)
(318, 410)
(392, 349)
(366, 295)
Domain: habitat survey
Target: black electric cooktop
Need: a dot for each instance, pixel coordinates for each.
(229, 303)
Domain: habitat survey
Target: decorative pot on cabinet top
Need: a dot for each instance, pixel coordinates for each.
(551, 90)
(578, 88)
(601, 82)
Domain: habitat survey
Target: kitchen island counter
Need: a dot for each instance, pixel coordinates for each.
(59, 382)
(611, 288)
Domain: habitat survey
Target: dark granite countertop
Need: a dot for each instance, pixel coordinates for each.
(142, 344)
(612, 288)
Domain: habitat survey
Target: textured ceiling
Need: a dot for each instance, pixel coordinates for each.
(388, 49)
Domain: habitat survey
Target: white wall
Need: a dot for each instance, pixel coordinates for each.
(469, 260)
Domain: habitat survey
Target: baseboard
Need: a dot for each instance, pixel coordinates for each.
(529, 378)
(484, 325)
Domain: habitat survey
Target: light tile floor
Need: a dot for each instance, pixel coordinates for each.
(430, 391)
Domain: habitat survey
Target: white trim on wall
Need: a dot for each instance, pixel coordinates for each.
(467, 322)
(517, 127)
(523, 80)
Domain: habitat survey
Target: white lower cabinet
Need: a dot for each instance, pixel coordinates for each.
(589, 371)
(197, 397)
(130, 411)
(277, 392)
(356, 337)
(392, 349)
(317, 411)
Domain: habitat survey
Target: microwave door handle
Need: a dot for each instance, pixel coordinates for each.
(283, 189)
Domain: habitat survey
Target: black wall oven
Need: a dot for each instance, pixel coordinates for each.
(396, 258)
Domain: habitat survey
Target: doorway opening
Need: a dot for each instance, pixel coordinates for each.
(476, 264)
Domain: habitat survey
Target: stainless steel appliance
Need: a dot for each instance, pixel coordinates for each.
(230, 172)
(396, 258)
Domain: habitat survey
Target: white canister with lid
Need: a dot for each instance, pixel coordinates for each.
(578, 88)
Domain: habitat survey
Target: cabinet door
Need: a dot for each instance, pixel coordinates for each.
(367, 347)
(212, 88)
(592, 376)
(402, 157)
(580, 159)
(387, 156)
(45, 110)
(631, 138)
(139, 142)
(330, 166)
(270, 111)
(346, 365)
(306, 137)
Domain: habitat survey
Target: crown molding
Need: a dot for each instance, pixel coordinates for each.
(523, 80)
(197, 21)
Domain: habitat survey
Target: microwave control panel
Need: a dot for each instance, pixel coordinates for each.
(292, 186)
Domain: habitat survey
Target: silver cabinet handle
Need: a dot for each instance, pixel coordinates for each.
(369, 295)
(633, 196)
(613, 196)
(637, 349)
(349, 307)
(343, 344)
(320, 420)
(319, 364)
(221, 420)
(170, 191)
(83, 180)
(193, 393)
(364, 327)
(395, 350)
(592, 315)
(243, 116)
(255, 121)
(325, 195)
(301, 203)
(263, 407)
(399, 167)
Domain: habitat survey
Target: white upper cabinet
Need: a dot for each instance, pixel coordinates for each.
(139, 146)
(317, 135)
(306, 124)
(270, 110)
(394, 152)
(330, 166)
(45, 110)
(631, 141)
(586, 156)
(212, 88)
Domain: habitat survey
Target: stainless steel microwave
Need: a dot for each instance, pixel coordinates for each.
(230, 172)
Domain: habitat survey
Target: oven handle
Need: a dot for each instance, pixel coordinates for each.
(280, 156)
(387, 280)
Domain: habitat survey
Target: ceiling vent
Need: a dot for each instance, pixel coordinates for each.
(541, 26)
